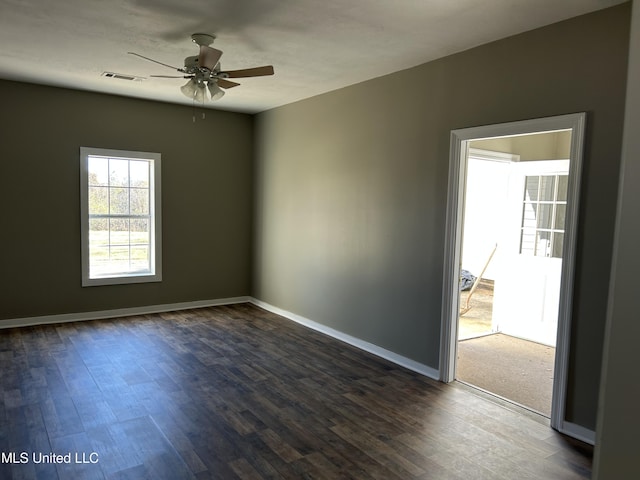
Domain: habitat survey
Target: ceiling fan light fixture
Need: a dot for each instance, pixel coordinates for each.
(200, 95)
(189, 89)
(216, 92)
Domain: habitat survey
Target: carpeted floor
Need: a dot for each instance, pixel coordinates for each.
(515, 369)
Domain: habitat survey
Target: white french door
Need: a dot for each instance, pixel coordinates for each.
(529, 258)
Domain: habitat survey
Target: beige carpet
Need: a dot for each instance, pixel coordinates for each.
(515, 369)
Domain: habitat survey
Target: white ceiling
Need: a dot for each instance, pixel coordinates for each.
(315, 45)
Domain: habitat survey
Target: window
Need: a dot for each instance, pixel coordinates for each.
(120, 209)
(543, 215)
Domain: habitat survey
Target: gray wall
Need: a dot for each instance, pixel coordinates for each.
(351, 187)
(206, 198)
(618, 443)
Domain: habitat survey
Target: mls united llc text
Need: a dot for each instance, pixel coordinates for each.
(39, 457)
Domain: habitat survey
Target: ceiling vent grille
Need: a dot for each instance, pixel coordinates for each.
(121, 76)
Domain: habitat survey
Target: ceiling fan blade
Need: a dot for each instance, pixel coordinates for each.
(249, 72)
(208, 57)
(222, 83)
(155, 61)
(171, 76)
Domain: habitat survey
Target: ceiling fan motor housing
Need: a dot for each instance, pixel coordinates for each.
(202, 39)
(191, 63)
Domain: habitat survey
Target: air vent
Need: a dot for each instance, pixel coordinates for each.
(121, 76)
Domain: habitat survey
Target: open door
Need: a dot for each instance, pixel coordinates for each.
(527, 292)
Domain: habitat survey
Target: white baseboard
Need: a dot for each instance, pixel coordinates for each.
(120, 312)
(578, 432)
(354, 341)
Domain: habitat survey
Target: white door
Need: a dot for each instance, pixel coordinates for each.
(529, 256)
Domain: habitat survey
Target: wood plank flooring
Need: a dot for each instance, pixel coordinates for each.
(237, 392)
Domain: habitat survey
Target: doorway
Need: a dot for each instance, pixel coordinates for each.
(512, 242)
(536, 204)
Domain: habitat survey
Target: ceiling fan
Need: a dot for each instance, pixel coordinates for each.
(204, 71)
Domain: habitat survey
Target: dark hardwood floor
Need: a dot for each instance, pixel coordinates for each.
(238, 392)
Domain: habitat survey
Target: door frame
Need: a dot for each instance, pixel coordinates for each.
(459, 151)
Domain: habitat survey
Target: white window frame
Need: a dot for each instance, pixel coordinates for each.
(155, 272)
(552, 230)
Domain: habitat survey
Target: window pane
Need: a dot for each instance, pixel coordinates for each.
(119, 231)
(98, 171)
(118, 173)
(529, 215)
(543, 244)
(558, 241)
(563, 184)
(544, 215)
(98, 200)
(140, 232)
(527, 241)
(140, 258)
(119, 259)
(139, 201)
(561, 212)
(119, 201)
(139, 174)
(531, 189)
(547, 188)
(98, 232)
(98, 260)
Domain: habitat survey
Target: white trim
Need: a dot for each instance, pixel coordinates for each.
(512, 129)
(119, 312)
(356, 342)
(491, 156)
(544, 167)
(563, 340)
(459, 151)
(576, 431)
(459, 154)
